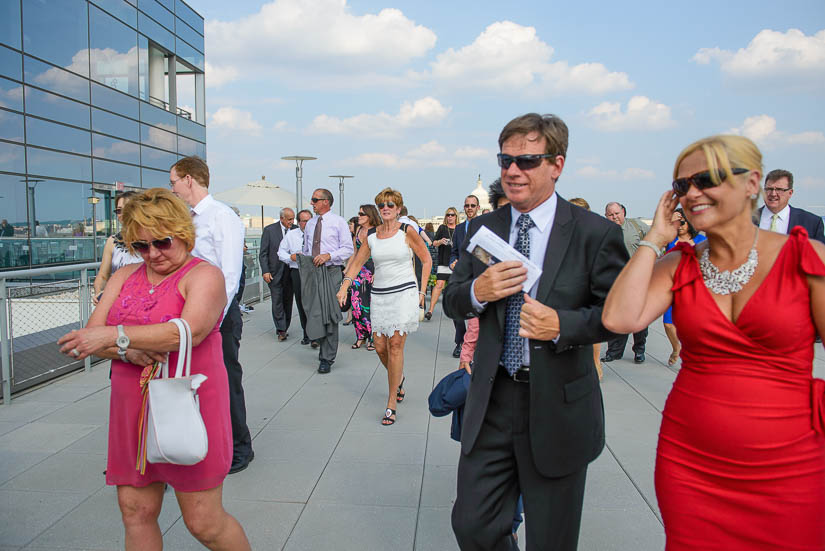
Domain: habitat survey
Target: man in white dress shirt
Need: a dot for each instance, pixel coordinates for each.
(291, 246)
(219, 240)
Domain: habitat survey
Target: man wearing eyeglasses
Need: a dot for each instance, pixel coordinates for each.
(533, 419)
(276, 274)
(780, 216)
(219, 239)
(471, 210)
(328, 243)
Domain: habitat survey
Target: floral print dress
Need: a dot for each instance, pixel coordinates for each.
(361, 289)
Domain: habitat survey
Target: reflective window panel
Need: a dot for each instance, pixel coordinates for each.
(59, 165)
(115, 150)
(10, 23)
(191, 129)
(49, 106)
(155, 158)
(190, 54)
(185, 32)
(120, 9)
(113, 53)
(169, 4)
(11, 126)
(14, 225)
(55, 79)
(11, 64)
(57, 136)
(156, 33)
(156, 137)
(107, 123)
(108, 172)
(155, 178)
(114, 101)
(188, 14)
(58, 32)
(143, 67)
(11, 94)
(12, 158)
(158, 13)
(157, 117)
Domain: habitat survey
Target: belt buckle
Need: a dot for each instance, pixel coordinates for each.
(522, 375)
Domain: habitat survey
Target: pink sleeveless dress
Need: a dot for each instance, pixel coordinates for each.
(137, 306)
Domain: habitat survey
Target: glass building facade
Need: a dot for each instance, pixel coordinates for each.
(96, 97)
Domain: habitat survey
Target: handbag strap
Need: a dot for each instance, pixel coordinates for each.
(184, 350)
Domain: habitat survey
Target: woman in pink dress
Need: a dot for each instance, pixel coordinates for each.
(138, 302)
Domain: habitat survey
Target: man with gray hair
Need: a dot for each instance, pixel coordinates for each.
(276, 273)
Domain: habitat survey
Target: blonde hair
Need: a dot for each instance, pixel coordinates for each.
(725, 152)
(161, 213)
(454, 211)
(388, 194)
(580, 202)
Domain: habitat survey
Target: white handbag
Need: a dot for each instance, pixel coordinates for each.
(172, 427)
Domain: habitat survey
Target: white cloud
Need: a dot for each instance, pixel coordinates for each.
(641, 113)
(422, 113)
(628, 174)
(777, 59)
(470, 152)
(288, 35)
(427, 150)
(429, 154)
(280, 125)
(762, 130)
(507, 56)
(217, 75)
(231, 118)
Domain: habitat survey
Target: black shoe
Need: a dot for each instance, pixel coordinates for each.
(610, 358)
(238, 466)
(639, 358)
(305, 341)
(324, 367)
(314, 344)
(282, 335)
(457, 351)
(428, 316)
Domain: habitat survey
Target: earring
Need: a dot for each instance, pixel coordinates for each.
(753, 196)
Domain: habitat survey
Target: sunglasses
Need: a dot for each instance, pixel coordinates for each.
(389, 204)
(118, 211)
(451, 214)
(316, 199)
(681, 222)
(160, 244)
(524, 162)
(702, 180)
(362, 214)
(468, 206)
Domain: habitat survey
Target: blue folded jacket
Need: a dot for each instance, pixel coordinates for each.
(449, 396)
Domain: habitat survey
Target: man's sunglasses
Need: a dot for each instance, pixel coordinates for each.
(524, 162)
(160, 244)
(316, 199)
(389, 204)
(702, 180)
(469, 206)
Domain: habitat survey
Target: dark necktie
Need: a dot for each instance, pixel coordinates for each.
(316, 239)
(513, 344)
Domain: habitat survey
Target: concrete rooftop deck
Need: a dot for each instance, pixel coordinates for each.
(326, 474)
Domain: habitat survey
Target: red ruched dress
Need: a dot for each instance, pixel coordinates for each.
(137, 306)
(740, 463)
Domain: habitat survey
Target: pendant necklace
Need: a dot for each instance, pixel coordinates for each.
(727, 282)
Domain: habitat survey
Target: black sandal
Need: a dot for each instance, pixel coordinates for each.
(371, 347)
(428, 316)
(388, 417)
(400, 393)
(358, 344)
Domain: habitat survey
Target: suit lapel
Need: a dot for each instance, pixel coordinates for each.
(556, 248)
(792, 221)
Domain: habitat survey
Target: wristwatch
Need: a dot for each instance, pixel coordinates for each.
(122, 343)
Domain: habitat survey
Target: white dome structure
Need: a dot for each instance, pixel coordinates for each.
(482, 193)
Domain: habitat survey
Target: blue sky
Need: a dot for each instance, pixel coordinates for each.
(413, 94)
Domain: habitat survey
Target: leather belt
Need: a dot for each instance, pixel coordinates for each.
(522, 374)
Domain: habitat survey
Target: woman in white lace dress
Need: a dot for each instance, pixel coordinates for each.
(396, 298)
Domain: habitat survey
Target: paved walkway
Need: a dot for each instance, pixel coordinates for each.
(327, 475)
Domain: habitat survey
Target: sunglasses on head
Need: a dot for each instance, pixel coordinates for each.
(160, 244)
(389, 204)
(524, 162)
(702, 180)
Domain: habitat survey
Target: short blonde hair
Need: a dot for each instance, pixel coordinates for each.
(388, 194)
(725, 152)
(580, 202)
(161, 213)
(453, 210)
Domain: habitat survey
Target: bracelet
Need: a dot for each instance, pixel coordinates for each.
(423, 294)
(348, 279)
(653, 246)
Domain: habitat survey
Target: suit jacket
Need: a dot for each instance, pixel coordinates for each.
(566, 412)
(458, 241)
(270, 263)
(812, 223)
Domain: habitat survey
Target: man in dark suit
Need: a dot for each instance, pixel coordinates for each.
(471, 210)
(276, 273)
(534, 417)
(782, 217)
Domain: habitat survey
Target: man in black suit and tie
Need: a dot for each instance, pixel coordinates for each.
(782, 217)
(471, 210)
(533, 419)
(276, 273)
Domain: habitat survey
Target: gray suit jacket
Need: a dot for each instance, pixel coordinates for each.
(319, 284)
(268, 257)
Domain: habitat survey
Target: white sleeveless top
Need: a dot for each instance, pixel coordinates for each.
(394, 295)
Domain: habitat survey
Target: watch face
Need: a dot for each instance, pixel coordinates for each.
(122, 341)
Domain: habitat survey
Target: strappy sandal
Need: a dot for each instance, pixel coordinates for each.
(428, 316)
(388, 419)
(674, 357)
(400, 393)
(358, 344)
(371, 347)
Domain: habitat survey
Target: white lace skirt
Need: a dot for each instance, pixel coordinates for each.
(393, 312)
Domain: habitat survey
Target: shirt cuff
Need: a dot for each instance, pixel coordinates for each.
(477, 306)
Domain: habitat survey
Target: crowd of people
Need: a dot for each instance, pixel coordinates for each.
(741, 455)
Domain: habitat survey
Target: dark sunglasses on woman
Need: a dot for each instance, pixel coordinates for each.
(160, 244)
(702, 180)
(382, 205)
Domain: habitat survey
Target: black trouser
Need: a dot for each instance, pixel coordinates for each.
(231, 331)
(295, 278)
(499, 466)
(460, 329)
(280, 295)
(615, 347)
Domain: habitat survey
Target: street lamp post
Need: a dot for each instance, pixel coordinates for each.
(299, 175)
(341, 179)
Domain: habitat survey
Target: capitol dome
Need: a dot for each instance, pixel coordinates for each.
(482, 193)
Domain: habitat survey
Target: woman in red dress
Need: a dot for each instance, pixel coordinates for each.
(140, 299)
(740, 463)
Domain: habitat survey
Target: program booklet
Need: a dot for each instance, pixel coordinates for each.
(490, 249)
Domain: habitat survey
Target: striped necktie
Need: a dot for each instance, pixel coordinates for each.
(513, 353)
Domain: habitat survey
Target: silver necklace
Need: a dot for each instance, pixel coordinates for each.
(727, 282)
